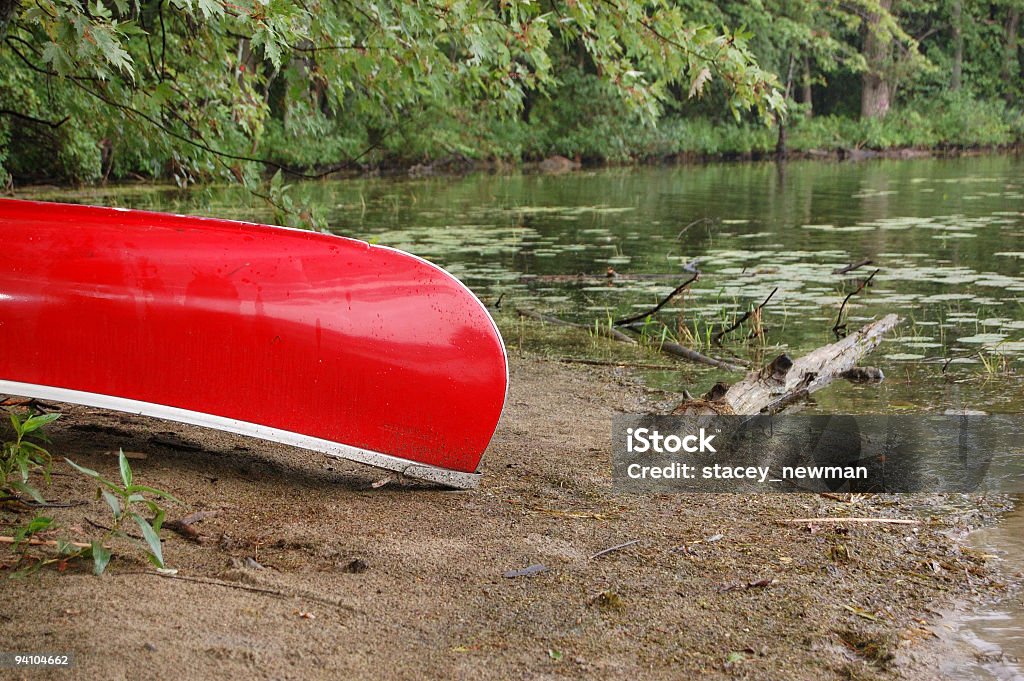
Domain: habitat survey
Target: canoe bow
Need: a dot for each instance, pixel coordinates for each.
(313, 340)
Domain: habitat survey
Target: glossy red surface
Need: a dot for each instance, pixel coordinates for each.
(306, 332)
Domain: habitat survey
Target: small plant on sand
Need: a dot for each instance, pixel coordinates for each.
(25, 455)
(126, 500)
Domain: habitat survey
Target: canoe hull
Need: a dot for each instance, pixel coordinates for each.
(318, 341)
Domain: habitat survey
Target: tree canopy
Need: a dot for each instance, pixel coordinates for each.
(198, 89)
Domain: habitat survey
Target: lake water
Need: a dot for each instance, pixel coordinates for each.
(947, 237)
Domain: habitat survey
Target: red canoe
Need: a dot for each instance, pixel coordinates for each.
(326, 343)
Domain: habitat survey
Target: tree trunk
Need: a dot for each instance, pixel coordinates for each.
(874, 100)
(806, 97)
(8, 8)
(957, 12)
(780, 143)
(1010, 64)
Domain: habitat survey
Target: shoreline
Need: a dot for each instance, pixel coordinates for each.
(461, 166)
(974, 630)
(698, 585)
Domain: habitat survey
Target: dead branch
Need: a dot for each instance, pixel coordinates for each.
(664, 301)
(840, 329)
(854, 266)
(678, 350)
(253, 589)
(885, 521)
(698, 221)
(718, 336)
(617, 547)
(32, 541)
(616, 363)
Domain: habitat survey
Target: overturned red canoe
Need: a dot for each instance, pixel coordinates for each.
(331, 344)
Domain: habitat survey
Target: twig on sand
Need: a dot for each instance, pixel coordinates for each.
(43, 504)
(246, 587)
(611, 549)
(32, 541)
(886, 521)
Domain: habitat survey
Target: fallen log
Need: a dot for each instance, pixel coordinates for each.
(667, 347)
(600, 329)
(784, 381)
(678, 350)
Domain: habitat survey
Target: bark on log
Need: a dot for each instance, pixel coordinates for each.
(783, 382)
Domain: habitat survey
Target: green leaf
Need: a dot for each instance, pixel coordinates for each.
(100, 557)
(158, 518)
(211, 8)
(33, 447)
(39, 523)
(113, 503)
(126, 470)
(152, 538)
(36, 422)
(152, 490)
(82, 469)
(16, 422)
(67, 548)
(36, 525)
(29, 490)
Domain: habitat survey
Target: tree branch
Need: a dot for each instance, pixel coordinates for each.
(643, 315)
(33, 119)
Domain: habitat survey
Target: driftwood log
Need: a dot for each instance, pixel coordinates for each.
(784, 382)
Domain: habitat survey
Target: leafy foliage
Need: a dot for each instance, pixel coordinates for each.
(197, 90)
(25, 454)
(189, 88)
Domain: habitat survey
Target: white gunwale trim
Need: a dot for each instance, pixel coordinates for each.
(412, 469)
